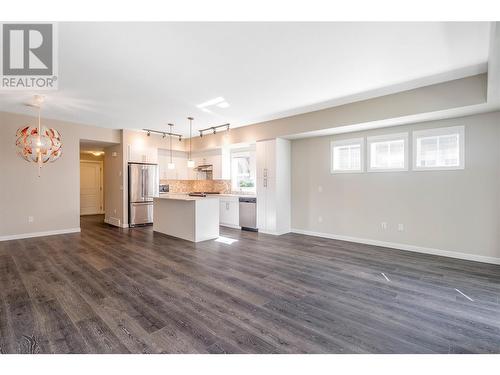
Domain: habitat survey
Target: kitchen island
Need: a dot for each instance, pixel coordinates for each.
(193, 219)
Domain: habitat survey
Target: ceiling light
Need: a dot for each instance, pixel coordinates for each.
(210, 102)
(190, 162)
(223, 105)
(171, 164)
(149, 133)
(213, 129)
(38, 144)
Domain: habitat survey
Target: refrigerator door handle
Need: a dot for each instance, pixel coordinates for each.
(143, 184)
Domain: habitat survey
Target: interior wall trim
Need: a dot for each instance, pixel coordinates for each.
(115, 222)
(405, 247)
(39, 234)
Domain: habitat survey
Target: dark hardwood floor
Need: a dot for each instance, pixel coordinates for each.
(109, 290)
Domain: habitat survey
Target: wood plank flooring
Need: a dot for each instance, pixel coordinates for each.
(109, 290)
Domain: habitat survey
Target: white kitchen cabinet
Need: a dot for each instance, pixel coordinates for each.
(229, 213)
(142, 154)
(216, 162)
(180, 172)
(162, 167)
(181, 168)
(273, 186)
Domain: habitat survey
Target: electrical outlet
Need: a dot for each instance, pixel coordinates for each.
(383, 225)
(320, 219)
(31, 219)
(114, 211)
(401, 227)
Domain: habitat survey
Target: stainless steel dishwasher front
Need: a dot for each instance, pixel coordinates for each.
(248, 213)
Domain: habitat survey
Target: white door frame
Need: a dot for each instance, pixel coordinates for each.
(101, 182)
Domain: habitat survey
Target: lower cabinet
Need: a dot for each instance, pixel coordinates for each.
(229, 214)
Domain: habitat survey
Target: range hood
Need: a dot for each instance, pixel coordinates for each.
(206, 169)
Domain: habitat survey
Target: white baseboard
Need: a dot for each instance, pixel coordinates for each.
(39, 234)
(115, 222)
(399, 246)
(274, 233)
(230, 226)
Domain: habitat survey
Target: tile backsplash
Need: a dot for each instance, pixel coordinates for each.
(187, 186)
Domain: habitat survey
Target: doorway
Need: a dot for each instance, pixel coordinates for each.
(91, 187)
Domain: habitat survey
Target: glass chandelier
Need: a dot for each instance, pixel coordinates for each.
(38, 144)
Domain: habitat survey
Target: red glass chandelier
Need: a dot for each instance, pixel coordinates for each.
(38, 144)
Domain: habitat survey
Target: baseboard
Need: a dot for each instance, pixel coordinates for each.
(115, 222)
(399, 246)
(95, 213)
(274, 233)
(39, 234)
(230, 226)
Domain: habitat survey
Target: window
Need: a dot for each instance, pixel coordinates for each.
(438, 149)
(347, 156)
(388, 153)
(243, 171)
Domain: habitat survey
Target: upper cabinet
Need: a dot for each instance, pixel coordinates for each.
(142, 154)
(182, 172)
(273, 186)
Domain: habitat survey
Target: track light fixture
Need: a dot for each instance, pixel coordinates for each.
(164, 134)
(214, 129)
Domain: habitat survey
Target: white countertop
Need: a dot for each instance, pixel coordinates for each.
(238, 195)
(209, 195)
(184, 197)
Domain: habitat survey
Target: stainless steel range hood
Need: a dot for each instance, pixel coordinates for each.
(206, 171)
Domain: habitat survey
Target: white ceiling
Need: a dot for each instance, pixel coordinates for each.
(145, 75)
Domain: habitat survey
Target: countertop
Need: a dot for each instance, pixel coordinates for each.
(235, 195)
(238, 195)
(183, 197)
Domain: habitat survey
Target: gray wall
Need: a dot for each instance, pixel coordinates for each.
(455, 211)
(113, 188)
(52, 199)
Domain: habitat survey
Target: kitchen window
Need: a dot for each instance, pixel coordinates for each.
(347, 156)
(438, 149)
(388, 153)
(243, 171)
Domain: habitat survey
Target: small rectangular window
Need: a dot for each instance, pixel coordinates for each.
(438, 149)
(243, 171)
(347, 156)
(388, 153)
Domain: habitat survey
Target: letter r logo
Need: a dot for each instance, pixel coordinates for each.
(27, 49)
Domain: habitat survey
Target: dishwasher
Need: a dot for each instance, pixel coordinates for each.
(248, 214)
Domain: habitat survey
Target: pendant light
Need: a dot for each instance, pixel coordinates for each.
(38, 144)
(171, 164)
(190, 162)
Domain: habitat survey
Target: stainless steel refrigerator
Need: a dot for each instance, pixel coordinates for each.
(143, 184)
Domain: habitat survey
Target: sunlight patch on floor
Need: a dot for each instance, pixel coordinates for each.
(226, 240)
